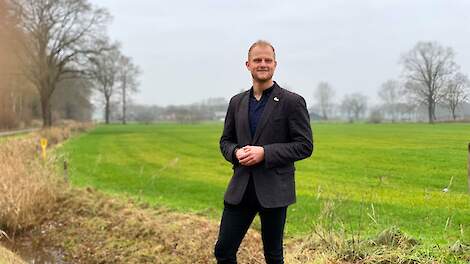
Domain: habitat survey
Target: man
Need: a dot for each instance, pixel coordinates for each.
(266, 129)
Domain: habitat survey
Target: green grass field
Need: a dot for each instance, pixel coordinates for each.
(376, 176)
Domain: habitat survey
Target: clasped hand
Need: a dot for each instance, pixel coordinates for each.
(250, 155)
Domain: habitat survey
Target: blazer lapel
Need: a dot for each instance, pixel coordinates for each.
(270, 105)
(244, 118)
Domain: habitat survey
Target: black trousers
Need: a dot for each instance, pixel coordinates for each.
(236, 219)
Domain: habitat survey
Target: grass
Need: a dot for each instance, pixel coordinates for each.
(377, 175)
(6, 256)
(13, 137)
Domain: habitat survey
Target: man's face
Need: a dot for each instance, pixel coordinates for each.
(261, 63)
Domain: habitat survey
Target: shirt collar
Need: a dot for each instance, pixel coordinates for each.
(266, 92)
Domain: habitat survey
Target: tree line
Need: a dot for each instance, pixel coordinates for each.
(431, 81)
(430, 78)
(54, 55)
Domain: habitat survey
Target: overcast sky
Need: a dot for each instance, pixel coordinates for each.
(192, 50)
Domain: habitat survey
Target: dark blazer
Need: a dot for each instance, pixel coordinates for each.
(285, 134)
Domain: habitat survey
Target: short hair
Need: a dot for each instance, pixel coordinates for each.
(263, 43)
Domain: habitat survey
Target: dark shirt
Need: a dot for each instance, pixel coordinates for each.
(255, 109)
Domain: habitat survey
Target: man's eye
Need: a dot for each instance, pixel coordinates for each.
(268, 61)
(257, 60)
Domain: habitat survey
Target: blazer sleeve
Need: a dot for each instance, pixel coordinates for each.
(228, 140)
(301, 138)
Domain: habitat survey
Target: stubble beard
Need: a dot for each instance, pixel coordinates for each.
(261, 80)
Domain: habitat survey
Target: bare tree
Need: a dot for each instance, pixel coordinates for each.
(456, 93)
(407, 110)
(104, 72)
(72, 99)
(390, 94)
(354, 106)
(58, 35)
(144, 113)
(324, 98)
(128, 73)
(427, 68)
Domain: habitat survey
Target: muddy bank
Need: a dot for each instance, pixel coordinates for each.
(29, 249)
(87, 226)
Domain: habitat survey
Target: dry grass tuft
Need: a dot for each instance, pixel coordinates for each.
(9, 257)
(394, 237)
(58, 134)
(55, 135)
(27, 185)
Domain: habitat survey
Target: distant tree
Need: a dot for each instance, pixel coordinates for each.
(144, 114)
(72, 99)
(375, 116)
(346, 108)
(324, 95)
(456, 93)
(59, 34)
(354, 106)
(17, 96)
(8, 118)
(215, 101)
(115, 109)
(390, 94)
(407, 110)
(210, 108)
(104, 72)
(427, 68)
(128, 74)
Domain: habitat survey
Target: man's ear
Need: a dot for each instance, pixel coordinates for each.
(247, 64)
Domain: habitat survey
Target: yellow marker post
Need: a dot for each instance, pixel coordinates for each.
(43, 142)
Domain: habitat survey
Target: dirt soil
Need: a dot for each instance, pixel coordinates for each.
(90, 227)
